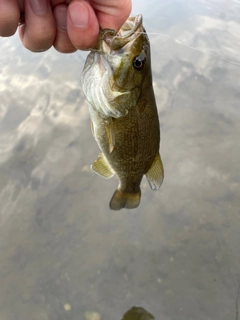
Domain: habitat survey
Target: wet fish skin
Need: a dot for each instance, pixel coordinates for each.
(124, 118)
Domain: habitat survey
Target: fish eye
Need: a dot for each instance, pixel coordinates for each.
(138, 63)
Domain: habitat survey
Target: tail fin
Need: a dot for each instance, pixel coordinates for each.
(121, 199)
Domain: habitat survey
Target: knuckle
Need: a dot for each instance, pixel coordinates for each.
(9, 16)
(65, 49)
(39, 41)
(7, 31)
(8, 27)
(63, 44)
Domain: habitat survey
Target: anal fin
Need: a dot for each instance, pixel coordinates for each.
(101, 167)
(155, 174)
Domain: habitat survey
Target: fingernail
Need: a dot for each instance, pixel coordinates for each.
(61, 18)
(39, 6)
(79, 14)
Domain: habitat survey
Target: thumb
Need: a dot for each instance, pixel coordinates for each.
(82, 24)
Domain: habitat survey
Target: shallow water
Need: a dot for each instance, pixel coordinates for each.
(62, 251)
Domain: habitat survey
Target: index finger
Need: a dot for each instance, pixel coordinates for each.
(9, 17)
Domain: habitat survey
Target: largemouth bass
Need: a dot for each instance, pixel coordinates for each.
(117, 82)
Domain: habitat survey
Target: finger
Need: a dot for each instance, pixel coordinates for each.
(9, 16)
(38, 32)
(112, 14)
(57, 2)
(62, 42)
(82, 24)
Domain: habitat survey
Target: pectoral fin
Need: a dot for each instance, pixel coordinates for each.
(101, 167)
(155, 174)
(110, 134)
(92, 128)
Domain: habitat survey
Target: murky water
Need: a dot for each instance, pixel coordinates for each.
(63, 253)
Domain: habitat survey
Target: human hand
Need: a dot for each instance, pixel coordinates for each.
(67, 25)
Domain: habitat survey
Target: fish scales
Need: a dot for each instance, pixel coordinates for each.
(117, 82)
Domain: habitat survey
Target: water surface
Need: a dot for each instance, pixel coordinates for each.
(62, 251)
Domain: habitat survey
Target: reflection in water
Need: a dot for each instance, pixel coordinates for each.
(137, 313)
(62, 252)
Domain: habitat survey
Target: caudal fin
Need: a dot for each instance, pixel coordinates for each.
(121, 199)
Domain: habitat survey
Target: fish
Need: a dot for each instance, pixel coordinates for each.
(117, 82)
(137, 313)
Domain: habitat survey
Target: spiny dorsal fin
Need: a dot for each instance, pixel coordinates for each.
(101, 167)
(155, 174)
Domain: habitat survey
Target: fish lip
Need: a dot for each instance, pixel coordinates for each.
(137, 23)
(109, 40)
(130, 30)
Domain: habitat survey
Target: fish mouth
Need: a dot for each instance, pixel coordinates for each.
(111, 41)
(106, 71)
(130, 27)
